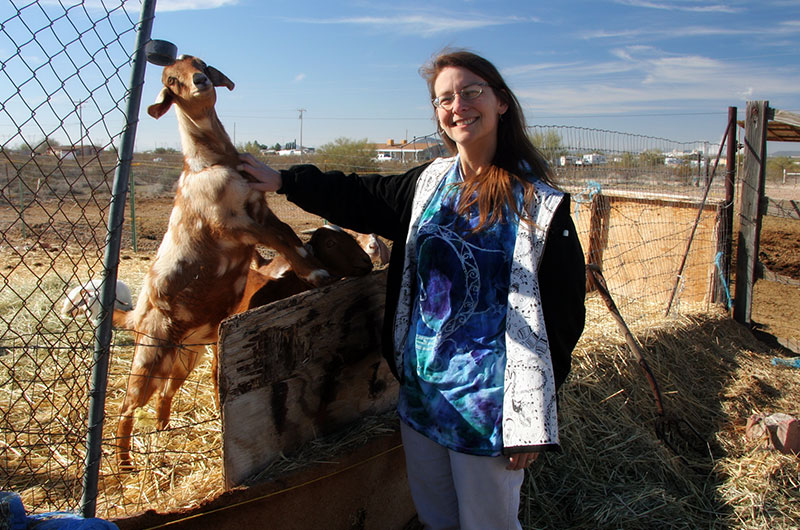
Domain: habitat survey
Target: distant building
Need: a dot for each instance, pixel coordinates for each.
(593, 159)
(295, 152)
(408, 152)
(74, 152)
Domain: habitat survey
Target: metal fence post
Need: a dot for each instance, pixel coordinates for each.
(111, 261)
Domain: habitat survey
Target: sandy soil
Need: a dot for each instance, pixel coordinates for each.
(775, 305)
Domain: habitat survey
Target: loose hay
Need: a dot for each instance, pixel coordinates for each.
(613, 472)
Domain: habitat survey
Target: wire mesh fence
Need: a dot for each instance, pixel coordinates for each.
(63, 88)
(649, 211)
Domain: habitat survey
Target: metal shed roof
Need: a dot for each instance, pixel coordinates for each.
(783, 127)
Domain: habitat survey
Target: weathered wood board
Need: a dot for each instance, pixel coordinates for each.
(365, 488)
(300, 368)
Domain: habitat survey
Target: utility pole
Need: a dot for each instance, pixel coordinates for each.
(79, 105)
(301, 111)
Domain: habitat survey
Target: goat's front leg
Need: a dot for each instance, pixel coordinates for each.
(280, 236)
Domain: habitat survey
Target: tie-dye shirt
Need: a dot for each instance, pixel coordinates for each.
(455, 353)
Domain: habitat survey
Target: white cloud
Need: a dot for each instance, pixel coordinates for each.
(299, 77)
(425, 25)
(693, 7)
(161, 5)
(674, 32)
(646, 79)
(191, 5)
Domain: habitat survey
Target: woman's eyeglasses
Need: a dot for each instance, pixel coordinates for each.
(467, 93)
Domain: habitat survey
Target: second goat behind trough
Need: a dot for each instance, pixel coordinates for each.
(200, 270)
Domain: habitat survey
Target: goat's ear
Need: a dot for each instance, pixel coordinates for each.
(218, 78)
(162, 104)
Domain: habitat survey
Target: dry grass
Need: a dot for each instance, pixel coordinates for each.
(613, 472)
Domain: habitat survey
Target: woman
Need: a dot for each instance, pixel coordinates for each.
(484, 295)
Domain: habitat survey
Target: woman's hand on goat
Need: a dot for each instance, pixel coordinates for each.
(266, 178)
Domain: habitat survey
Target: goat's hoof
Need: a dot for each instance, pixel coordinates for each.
(319, 277)
(124, 464)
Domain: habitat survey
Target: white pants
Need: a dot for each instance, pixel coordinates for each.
(456, 491)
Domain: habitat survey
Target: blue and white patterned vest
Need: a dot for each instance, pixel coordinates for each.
(529, 406)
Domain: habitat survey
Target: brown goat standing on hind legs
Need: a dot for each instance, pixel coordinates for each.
(200, 270)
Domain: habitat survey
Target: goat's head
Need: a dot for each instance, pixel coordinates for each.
(189, 83)
(340, 252)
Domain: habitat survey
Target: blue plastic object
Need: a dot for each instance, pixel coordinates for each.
(791, 363)
(13, 517)
(12, 512)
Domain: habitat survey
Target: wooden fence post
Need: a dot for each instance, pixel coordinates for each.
(754, 170)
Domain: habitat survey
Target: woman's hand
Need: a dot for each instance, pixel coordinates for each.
(267, 179)
(521, 460)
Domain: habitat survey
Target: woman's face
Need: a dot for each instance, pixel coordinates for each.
(470, 123)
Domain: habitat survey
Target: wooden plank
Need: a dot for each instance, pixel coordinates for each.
(299, 368)
(786, 209)
(770, 276)
(754, 170)
(365, 488)
(786, 117)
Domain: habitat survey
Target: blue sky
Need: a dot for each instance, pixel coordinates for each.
(665, 68)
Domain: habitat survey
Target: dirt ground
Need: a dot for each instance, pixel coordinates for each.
(775, 305)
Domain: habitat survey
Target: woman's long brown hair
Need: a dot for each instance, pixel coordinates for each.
(493, 189)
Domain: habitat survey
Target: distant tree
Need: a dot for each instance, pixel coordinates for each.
(627, 160)
(651, 158)
(165, 150)
(252, 147)
(346, 155)
(778, 164)
(550, 145)
(42, 147)
(276, 147)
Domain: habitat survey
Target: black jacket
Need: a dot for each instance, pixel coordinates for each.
(382, 205)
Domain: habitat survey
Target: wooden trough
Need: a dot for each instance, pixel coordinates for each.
(292, 372)
(301, 368)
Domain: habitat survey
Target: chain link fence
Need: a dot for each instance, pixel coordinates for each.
(64, 83)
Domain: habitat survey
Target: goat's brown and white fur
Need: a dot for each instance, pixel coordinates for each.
(201, 267)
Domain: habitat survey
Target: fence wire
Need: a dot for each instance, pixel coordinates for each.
(63, 90)
(62, 113)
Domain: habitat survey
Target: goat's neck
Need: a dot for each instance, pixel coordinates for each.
(204, 141)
